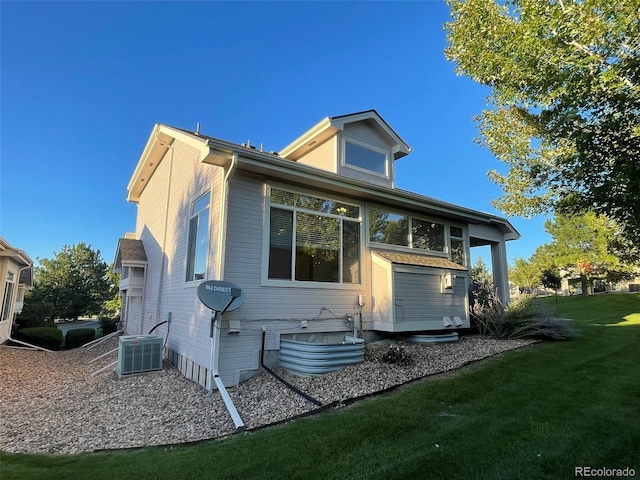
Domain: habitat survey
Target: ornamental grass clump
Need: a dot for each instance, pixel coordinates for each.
(523, 317)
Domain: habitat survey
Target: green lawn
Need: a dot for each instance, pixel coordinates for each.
(537, 412)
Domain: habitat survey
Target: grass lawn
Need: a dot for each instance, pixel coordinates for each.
(534, 413)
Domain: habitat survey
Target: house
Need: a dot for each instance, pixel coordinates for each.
(318, 237)
(16, 277)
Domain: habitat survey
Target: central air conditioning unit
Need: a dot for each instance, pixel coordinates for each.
(139, 354)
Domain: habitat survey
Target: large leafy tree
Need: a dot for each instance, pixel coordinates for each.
(565, 102)
(74, 282)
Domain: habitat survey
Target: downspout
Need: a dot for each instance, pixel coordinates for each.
(215, 329)
(144, 294)
(224, 210)
(164, 236)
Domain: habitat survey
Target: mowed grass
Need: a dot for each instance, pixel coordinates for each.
(534, 413)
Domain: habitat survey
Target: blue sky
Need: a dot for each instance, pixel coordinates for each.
(83, 83)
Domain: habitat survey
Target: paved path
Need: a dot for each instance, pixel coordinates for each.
(65, 327)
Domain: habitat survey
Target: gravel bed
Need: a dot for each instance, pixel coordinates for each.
(52, 404)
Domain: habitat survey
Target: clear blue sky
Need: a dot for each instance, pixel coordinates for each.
(83, 83)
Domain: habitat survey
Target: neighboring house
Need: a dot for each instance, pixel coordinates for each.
(318, 237)
(16, 277)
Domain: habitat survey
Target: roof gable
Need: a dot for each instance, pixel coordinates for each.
(129, 252)
(330, 126)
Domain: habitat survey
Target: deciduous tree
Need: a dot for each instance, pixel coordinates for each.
(564, 104)
(525, 274)
(579, 248)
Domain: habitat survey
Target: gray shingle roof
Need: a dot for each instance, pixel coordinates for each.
(131, 250)
(419, 260)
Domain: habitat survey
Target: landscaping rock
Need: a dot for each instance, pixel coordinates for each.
(52, 404)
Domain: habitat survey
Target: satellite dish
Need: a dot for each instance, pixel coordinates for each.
(217, 294)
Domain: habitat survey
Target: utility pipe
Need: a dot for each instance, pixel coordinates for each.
(30, 345)
(278, 377)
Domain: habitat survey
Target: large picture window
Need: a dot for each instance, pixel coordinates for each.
(313, 239)
(198, 238)
(402, 230)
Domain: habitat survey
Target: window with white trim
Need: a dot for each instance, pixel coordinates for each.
(198, 241)
(364, 158)
(7, 298)
(313, 239)
(394, 229)
(457, 245)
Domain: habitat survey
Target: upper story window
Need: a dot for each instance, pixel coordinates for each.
(402, 230)
(457, 246)
(198, 238)
(366, 158)
(313, 239)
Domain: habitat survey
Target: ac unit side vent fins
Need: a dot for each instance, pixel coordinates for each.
(139, 354)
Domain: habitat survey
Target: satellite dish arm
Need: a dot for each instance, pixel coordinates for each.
(235, 293)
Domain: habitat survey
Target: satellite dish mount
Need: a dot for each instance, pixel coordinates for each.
(220, 297)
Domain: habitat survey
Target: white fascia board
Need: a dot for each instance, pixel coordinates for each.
(162, 136)
(301, 145)
(17, 255)
(275, 167)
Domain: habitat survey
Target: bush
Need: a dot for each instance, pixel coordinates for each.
(35, 314)
(398, 355)
(78, 337)
(45, 337)
(108, 325)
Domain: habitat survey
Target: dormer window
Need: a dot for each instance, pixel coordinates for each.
(368, 159)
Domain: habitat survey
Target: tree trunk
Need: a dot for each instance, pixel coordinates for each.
(584, 282)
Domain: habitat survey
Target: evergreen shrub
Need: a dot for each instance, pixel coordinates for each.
(46, 337)
(78, 337)
(108, 325)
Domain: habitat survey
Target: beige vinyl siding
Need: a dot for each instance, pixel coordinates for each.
(381, 293)
(189, 330)
(280, 310)
(365, 133)
(323, 156)
(134, 315)
(244, 264)
(419, 300)
(410, 298)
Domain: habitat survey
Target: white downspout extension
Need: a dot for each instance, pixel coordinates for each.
(215, 342)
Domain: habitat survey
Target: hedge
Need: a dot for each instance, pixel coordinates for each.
(108, 325)
(78, 337)
(45, 337)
